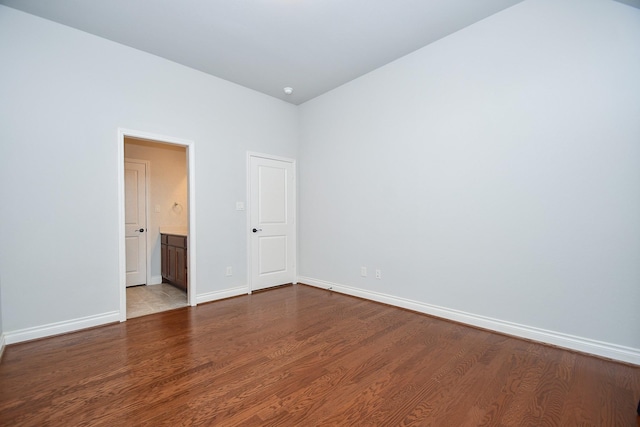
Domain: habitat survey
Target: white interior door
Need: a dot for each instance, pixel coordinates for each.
(272, 222)
(135, 218)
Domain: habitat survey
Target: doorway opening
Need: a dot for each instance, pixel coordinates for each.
(155, 209)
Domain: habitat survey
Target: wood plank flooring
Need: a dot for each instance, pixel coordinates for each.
(300, 356)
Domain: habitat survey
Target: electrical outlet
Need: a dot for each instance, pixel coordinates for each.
(363, 271)
(229, 271)
(378, 274)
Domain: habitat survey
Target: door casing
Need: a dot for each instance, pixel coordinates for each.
(191, 191)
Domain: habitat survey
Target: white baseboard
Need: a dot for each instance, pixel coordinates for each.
(61, 327)
(226, 293)
(155, 280)
(585, 345)
(1, 345)
(97, 320)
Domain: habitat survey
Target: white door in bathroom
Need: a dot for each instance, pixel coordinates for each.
(272, 239)
(135, 218)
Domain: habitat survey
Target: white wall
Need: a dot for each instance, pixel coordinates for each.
(167, 186)
(1, 328)
(494, 173)
(64, 95)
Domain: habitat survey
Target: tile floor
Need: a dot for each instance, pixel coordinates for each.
(143, 300)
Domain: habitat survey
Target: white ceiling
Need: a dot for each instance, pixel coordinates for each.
(310, 45)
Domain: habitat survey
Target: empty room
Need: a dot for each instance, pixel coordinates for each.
(378, 213)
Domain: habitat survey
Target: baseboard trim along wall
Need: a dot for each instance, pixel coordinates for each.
(61, 327)
(156, 280)
(226, 293)
(97, 320)
(1, 346)
(585, 345)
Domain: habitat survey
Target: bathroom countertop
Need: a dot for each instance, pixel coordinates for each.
(178, 231)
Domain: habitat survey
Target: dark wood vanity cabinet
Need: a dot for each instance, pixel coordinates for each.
(173, 251)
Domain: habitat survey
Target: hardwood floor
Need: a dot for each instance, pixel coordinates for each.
(300, 356)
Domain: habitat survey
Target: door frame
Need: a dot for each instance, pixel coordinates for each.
(147, 174)
(294, 239)
(191, 201)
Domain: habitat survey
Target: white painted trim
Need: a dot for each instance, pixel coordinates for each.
(122, 260)
(2, 344)
(61, 327)
(585, 345)
(191, 241)
(155, 280)
(147, 204)
(191, 197)
(226, 293)
(295, 222)
(294, 165)
(270, 157)
(248, 217)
